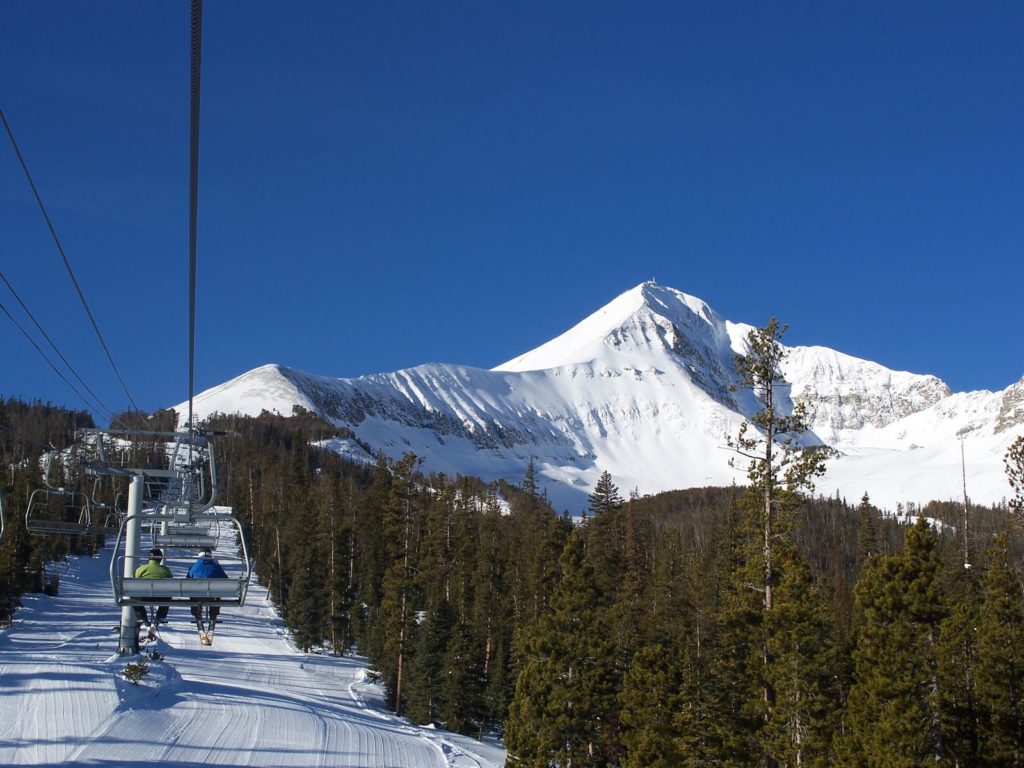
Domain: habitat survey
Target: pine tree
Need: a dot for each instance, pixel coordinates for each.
(373, 555)
(957, 658)
(462, 706)
(535, 540)
(721, 722)
(867, 531)
(1000, 668)
(606, 537)
(779, 469)
(426, 673)
(892, 713)
(1014, 464)
(529, 485)
(800, 636)
(567, 685)
(492, 615)
(399, 599)
(651, 695)
(629, 611)
(605, 498)
(341, 564)
(306, 577)
(664, 594)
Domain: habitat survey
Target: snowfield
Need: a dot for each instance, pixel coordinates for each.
(249, 700)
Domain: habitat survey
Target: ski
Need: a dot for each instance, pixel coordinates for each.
(202, 631)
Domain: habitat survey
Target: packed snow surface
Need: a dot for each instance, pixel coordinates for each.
(250, 699)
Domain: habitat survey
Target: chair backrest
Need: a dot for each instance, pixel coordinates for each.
(190, 539)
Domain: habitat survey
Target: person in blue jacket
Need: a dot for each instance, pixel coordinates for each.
(205, 568)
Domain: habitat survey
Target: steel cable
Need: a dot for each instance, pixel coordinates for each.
(197, 35)
(53, 346)
(67, 264)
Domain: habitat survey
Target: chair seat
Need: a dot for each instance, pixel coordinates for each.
(184, 539)
(71, 529)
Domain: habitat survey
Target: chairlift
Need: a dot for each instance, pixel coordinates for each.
(112, 512)
(175, 535)
(179, 468)
(225, 592)
(74, 517)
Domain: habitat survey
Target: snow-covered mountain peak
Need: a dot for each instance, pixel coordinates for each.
(268, 387)
(649, 318)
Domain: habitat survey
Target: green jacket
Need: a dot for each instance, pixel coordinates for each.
(152, 570)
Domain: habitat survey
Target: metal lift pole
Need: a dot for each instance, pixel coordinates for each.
(128, 644)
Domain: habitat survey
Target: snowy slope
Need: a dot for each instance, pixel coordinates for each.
(249, 700)
(643, 388)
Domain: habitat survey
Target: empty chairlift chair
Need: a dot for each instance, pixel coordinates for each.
(168, 534)
(61, 510)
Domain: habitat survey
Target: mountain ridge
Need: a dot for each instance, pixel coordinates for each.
(644, 388)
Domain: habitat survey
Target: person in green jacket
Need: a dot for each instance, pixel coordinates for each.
(154, 569)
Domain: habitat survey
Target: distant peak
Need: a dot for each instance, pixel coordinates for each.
(588, 340)
(666, 300)
(266, 368)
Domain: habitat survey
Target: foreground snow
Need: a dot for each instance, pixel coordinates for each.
(249, 700)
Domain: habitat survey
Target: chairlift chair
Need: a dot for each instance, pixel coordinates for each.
(176, 535)
(225, 592)
(40, 522)
(104, 517)
(75, 517)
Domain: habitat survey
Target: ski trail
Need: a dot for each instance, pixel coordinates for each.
(249, 699)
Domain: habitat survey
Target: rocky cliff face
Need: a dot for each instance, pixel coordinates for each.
(844, 393)
(1011, 408)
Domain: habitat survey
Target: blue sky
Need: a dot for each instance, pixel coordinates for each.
(387, 184)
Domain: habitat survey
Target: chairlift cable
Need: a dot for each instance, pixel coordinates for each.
(48, 361)
(67, 264)
(103, 406)
(197, 34)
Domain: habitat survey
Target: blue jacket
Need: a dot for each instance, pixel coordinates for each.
(206, 568)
